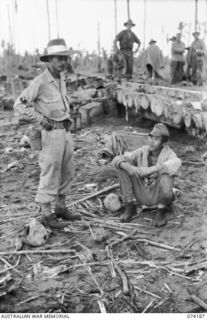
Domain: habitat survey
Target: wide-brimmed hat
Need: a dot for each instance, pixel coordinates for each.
(129, 22)
(196, 32)
(55, 47)
(152, 41)
(160, 130)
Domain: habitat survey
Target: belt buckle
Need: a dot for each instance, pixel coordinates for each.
(54, 125)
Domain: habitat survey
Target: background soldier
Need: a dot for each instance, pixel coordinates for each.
(126, 39)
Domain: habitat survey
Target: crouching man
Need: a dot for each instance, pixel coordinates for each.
(146, 174)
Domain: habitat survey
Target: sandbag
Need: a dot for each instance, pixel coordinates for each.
(36, 234)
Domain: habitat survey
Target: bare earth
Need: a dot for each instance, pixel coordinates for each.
(88, 277)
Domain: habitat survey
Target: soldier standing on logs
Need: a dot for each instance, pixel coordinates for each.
(177, 60)
(196, 59)
(126, 39)
(45, 103)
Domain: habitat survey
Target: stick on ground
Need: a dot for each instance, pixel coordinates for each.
(199, 302)
(95, 194)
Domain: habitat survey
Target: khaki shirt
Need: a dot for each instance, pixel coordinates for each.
(198, 47)
(45, 98)
(126, 39)
(167, 158)
(177, 51)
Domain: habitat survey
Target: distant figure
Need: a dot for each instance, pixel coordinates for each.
(177, 60)
(116, 65)
(153, 60)
(196, 59)
(126, 39)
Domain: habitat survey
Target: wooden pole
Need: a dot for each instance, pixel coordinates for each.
(145, 7)
(48, 19)
(57, 18)
(115, 16)
(128, 9)
(196, 14)
(10, 28)
(99, 48)
(189, 34)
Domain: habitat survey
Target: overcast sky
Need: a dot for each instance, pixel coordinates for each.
(78, 20)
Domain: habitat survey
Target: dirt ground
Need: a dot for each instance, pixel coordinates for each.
(91, 277)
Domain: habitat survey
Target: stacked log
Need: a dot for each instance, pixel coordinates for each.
(174, 106)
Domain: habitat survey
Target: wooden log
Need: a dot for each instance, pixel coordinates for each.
(95, 194)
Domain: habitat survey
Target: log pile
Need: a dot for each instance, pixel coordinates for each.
(173, 106)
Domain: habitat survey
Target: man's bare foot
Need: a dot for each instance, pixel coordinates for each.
(160, 218)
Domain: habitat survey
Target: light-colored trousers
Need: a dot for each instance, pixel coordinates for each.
(160, 193)
(56, 164)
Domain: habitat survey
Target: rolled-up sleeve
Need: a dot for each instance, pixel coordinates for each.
(27, 109)
(130, 157)
(172, 164)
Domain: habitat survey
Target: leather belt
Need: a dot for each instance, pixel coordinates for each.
(64, 124)
(58, 124)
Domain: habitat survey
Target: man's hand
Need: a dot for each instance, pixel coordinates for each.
(46, 124)
(131, 170)
(135, 51)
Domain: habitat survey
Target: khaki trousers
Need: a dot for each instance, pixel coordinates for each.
(56, 164)
(160, 193)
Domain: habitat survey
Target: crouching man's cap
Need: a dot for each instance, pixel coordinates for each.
(160, 130)
(55, 47)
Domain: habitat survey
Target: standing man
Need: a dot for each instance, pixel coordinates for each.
(177, 60)
(146, 174)
(45, 103)
(196, 59)
(126, 39)
(153, 60)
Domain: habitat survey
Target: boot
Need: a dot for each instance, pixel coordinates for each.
(160, 218)
(62, 212)
(48, 218)
(129, 212)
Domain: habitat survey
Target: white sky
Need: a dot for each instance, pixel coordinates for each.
(78, 20)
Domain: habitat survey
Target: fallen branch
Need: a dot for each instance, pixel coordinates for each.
(199, 265)
(198, 301)
(188, 246)
(148, 306)
(63, 251)
(95, 194)
(147, 292)
(124, 280)
(159, 245)
(27, 300)
(11, 267)
(194, 163)
(130, 236)
(101, 305)
(7, 277)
